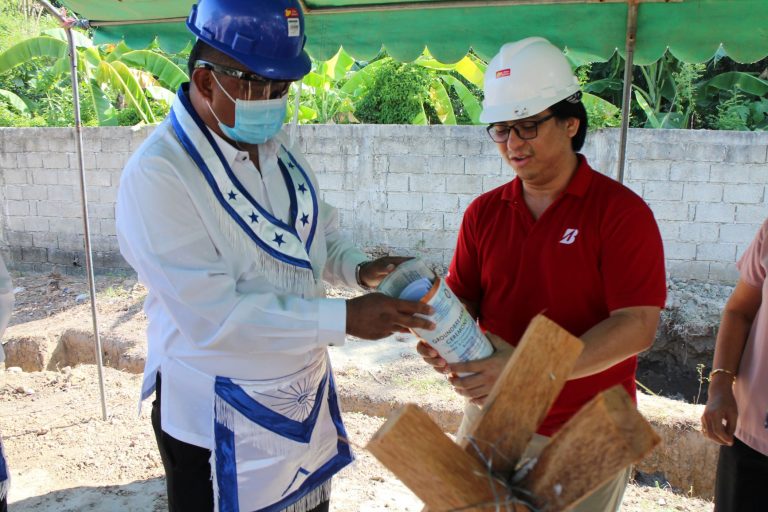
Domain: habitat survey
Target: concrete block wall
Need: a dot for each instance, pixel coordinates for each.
(399, 189)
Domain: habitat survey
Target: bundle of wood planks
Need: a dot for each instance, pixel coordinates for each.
(475, 473)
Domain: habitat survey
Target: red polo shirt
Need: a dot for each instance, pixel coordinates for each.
(596, 249)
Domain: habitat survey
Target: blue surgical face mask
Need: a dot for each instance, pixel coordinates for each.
(256, 121)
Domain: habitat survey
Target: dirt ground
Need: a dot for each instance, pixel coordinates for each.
(63, 457)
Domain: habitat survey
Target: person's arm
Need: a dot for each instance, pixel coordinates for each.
(162, 236)
(720, 414)
(625, 333)
(632, 267)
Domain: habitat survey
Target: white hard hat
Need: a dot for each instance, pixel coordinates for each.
(525, 78)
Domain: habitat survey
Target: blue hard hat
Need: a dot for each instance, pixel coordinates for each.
(267, 36)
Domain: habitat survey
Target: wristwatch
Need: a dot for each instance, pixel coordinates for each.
(360, 283)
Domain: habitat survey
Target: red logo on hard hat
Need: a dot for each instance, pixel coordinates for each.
(502, 73)
(292, 13)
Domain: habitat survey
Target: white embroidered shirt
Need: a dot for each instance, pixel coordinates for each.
(211, 311)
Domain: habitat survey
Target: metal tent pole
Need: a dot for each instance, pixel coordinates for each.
(632, 7)
(66, 24)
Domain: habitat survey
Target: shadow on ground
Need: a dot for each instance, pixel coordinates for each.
(139, 496)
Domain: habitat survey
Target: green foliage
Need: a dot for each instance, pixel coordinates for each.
(34, 71)
(732, 114)
(601, 113)
(396, 95)
(323, 100)
(673, 94)
(129, 116)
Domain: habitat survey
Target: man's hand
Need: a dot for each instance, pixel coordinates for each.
(375, 315)
(485, 371)
(718, 422)
(431, 357)
(372, 272)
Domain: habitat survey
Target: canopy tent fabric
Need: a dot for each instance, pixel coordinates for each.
(591, 30)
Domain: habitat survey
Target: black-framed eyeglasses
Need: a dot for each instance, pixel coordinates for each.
(280, 85)
(526, 130)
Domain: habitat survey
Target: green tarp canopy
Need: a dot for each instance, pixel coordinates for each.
(591, 30)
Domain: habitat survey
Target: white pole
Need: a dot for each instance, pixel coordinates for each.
(66, 24)
(626, 102)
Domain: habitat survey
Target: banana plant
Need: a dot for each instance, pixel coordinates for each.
(471, 69)
(14, 101)
(322, 100)
(135, 75)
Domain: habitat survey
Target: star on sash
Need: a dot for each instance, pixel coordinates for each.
(232, 195)
(254, 217)
(305, 219)
(278, 240)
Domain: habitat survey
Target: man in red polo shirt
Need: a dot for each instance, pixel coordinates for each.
(559, 239)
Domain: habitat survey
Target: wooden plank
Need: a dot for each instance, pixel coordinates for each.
(438, 471)
(524, 392)
(604, 437)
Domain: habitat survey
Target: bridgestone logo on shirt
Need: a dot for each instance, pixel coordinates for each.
(569, 236)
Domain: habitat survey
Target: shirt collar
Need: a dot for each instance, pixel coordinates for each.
(578, 185)
(267, 152)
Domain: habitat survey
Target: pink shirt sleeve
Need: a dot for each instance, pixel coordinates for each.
(751, 265)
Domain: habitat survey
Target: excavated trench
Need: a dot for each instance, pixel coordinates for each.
(72, 347)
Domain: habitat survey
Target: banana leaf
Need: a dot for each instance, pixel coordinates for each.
(306, 114)
(168, 73)
(361, 80)
(420, 118)
(92, 57)
(115, 51)
(61, 66)
(316, 80)
(336, 68)
(159, 93)
(33, 48)
(468, 100)
(599, 86)
(441, 102)
(472, 69)
(105, 111)
(739, 80)
(758, 112)
(119, 76)
(650, 115)
(14, 101)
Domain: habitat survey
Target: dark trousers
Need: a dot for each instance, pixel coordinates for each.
(187, 470)
(4, 505)
(742, 478)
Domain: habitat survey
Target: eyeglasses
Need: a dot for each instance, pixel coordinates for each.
(257, 83)
(526, 130)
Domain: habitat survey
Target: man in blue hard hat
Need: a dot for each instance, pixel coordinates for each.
(222, 220)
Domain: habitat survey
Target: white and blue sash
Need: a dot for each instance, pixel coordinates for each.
(278, 442)
(5, 478)
(281, 249)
